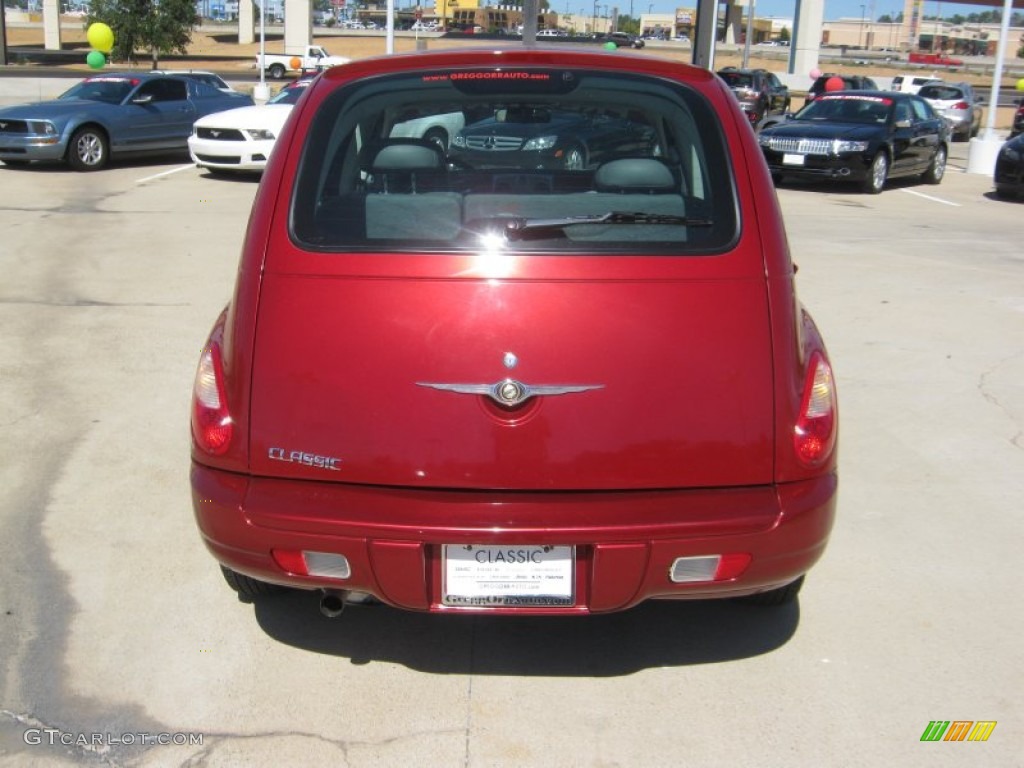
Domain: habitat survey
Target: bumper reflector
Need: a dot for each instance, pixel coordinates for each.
(686, 570)
(326, 564)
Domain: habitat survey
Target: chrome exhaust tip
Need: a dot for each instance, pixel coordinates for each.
(332, 603)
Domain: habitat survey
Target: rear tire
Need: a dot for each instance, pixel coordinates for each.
(248, 588)
(277, 71)
(937, 169)
(781, 596)
(877, 175)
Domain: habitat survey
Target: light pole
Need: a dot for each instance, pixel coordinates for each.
(262, 91)
(749, 35)
(860, 38)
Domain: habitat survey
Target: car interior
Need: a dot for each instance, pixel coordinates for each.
(651, 175)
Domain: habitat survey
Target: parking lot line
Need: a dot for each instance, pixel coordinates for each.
(165, 173)
(930, 197)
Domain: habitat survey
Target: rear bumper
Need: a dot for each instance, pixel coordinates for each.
(625, 542)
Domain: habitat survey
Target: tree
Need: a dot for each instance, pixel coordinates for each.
(157, 26)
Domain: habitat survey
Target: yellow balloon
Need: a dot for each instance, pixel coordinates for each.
(100, 37)
(1020, 85)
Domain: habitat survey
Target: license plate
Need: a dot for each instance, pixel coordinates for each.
(789, 159)
(516, 575)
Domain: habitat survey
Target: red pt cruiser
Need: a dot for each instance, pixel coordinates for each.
(549, 360)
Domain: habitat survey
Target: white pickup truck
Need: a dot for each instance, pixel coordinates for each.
(311, 59)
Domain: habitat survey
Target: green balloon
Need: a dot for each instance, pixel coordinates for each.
(95, 59)
(610, 46)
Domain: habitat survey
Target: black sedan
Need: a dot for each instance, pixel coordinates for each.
(534, 136)
(109, 115)
(1009, 175)
(864, 136)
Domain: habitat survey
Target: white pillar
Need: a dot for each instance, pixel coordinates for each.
(807, 26)
(246, 32)
(298, 25)
(51, 25)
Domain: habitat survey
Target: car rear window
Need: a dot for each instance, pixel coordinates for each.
(533, 159)
(941, 92)
(737, 79)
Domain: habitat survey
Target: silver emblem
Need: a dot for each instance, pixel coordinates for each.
(509, 392)
(510, 360)
(215, 133)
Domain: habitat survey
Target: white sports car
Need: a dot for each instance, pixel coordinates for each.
(241, 139)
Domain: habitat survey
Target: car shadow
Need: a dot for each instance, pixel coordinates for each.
(1004, 198)
(143, 160)
(241, 177)
(839, 187)
(658, 633)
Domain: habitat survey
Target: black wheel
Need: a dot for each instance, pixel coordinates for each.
(575, 160)
(780, 596)
(937, 169)
(777, 179)
(438, 136)
(277, 71)
(89, 149)
(248, 588)
(877, 175)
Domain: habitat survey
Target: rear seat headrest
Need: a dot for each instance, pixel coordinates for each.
(634, 174)
(408, 155)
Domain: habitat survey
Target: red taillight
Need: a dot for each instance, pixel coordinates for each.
(211, 423)
(961, 105)
(815, 432)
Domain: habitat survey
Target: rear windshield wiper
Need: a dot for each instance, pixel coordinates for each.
(519, 228)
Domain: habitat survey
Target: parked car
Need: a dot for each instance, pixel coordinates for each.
(1018, 120)
(110, 115)
(202, 76)
(513, 389)
(436, 127)
(1009, 173)
(241, 139)
(958, 103)
(911, 83)
(623, 40)
(850, 83)
(540, 136)
(862, 136)
(759, 92)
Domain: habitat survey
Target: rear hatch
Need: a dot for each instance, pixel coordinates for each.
(642, 384)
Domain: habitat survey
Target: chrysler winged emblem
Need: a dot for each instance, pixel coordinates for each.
(509, 392)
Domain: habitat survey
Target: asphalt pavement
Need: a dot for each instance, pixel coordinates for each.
(122, 646)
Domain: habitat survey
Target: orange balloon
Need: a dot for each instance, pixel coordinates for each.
(296, 62)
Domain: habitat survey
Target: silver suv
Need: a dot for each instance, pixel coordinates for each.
(958, 103)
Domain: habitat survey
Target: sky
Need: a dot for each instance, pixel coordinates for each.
(834, 9)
